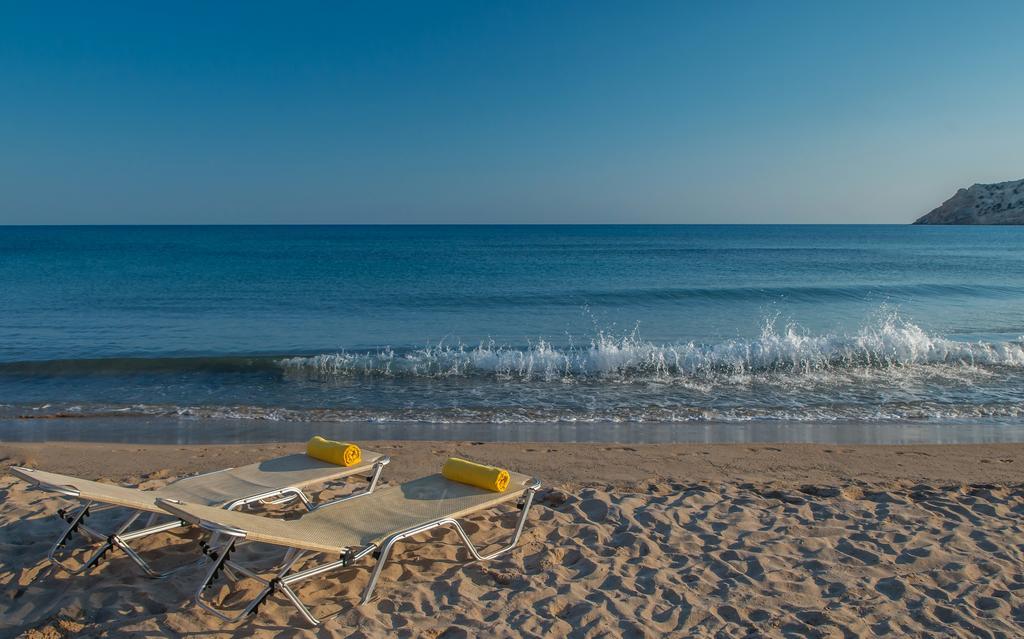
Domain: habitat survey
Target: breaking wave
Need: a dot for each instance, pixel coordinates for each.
(889, 370)
(892, 343)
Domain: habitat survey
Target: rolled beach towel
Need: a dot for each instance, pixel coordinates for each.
(474, 474)
(340, 453)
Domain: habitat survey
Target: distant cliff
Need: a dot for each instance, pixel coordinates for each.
(1001, 203)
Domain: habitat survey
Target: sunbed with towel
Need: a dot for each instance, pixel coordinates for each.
(273, 481)
(355, 529)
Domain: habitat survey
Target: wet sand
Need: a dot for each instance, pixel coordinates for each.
(632, 540)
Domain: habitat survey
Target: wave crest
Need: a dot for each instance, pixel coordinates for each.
(893, 342)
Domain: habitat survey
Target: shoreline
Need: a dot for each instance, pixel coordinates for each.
(569, 464)
(168, 430)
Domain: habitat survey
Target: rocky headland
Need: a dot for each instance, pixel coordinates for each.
(1001, 203)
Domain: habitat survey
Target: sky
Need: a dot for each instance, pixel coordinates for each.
(504, 112)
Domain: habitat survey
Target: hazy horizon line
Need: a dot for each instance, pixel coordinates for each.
(381, 224)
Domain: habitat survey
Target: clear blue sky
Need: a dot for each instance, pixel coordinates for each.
(504, 112)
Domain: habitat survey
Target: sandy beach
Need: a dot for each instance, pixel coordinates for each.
(733, 291)
(638, 540)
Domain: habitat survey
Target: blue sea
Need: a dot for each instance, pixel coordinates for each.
(635, 325)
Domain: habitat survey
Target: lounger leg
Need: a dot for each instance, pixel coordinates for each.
(104, 547)
(285, 583)
(528, 501)
(280, 582)
(220, 557)
(301, 607)
(121, 541)
(377, 468)
(275, 584)
(117, 539)
(385, 550)
(74, 522)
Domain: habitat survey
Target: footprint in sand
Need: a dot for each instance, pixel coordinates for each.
(864, 556)
(595, 509)
(759, 616)
(891, 587)
(729, 614)
(813, 617)
(988, 603)
(910, 555)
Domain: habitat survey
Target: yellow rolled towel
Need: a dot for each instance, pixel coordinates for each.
(340, 453)
(474, 474)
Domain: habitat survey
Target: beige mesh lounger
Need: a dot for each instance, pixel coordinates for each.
(273, 481)
(354, 529)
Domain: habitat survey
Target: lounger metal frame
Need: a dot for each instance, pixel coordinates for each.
(283, 578)
(120, 536)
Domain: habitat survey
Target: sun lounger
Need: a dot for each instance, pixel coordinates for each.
(273, 481)
(353, 530)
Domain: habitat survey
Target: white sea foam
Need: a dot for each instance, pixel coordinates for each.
(891, 343)
(916, 411)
